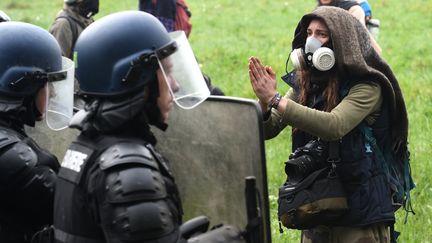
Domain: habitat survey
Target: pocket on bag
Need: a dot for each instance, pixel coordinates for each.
(317, 200)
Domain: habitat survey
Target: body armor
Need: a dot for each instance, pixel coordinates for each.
(115, 190)
(27, 179)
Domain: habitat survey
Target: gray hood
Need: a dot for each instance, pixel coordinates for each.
(357, 60)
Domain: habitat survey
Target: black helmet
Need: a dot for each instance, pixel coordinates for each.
(29, 58)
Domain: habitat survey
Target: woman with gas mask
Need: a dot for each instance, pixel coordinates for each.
(340, 83)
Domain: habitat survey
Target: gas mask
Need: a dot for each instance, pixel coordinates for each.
(313, 55)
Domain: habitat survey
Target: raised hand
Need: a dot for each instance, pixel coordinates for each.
(263, 81)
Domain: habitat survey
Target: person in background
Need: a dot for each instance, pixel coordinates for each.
(75, 16)
(337, 89)
(356, 10)
(364, 4)
(372, 24)
(175, 15)
(30, 60)
(163, 10)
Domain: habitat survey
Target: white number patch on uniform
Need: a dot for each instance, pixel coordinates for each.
(73, 160)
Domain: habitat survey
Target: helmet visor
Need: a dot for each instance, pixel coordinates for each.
(60, 101)
(182, 72)
(4, 17)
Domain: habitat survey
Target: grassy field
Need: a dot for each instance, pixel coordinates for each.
(226, 33)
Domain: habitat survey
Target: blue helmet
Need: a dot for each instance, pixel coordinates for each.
(29, 58)
(27, 54)
(120, 54)
(116, 54)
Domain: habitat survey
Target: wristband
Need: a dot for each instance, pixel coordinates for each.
(274, 102)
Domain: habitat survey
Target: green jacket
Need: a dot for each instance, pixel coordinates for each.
(362, 102)
(66, 28)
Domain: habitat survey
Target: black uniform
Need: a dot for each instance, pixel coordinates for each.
(113, 186)
(27, 178)
(116, 188)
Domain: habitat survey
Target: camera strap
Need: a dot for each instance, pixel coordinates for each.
(318, 199)
(333, 153)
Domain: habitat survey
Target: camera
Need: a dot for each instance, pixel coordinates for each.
(305, 160)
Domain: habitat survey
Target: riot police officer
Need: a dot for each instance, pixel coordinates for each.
(113, 185)
(32, 75)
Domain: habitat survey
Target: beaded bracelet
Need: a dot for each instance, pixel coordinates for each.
(274, 102)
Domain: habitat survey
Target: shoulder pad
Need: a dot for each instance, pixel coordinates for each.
(126, 153)
(18, 157)
(7, 138)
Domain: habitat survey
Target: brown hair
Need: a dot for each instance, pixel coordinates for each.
(330, 94)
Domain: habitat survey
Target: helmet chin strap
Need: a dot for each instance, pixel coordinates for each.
(108, 115)
(31, 114)
(152, 110)
(153, 116)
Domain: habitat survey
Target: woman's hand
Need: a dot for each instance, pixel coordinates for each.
(263, 81)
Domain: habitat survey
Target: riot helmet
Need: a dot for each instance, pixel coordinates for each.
(119, 55)
(30, 60)
(4, 17)
(86, 8)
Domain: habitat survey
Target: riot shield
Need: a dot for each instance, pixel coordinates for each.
(57, 142)
(213, 148)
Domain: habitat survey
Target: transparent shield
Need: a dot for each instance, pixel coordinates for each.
(213, 149)
(60, 103)
(57, 142)
(4, 17)
(183, 74)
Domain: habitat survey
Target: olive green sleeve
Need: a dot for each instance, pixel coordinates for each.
(361, 101)
(275, 124)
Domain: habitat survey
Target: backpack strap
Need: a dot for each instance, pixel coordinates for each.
(402, 191)
(389, 169)
(333, 155)
(73, 25)
(333, 152)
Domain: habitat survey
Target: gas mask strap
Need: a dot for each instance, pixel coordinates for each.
(286, 63)
(298, 59)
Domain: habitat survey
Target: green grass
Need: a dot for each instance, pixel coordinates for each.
(226, 33)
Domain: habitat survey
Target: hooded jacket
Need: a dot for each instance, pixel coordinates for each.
(366, 75)
(67, 26)
(360, 64)
(357, 60)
